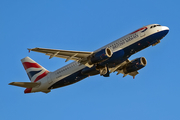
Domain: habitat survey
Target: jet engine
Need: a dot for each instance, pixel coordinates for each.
(135, 65)
(101, 56)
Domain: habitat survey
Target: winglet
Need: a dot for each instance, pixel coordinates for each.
(29, 50)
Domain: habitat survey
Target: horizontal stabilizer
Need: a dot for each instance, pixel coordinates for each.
(25, 84)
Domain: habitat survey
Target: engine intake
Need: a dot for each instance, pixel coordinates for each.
(101, 56)
(135, 65)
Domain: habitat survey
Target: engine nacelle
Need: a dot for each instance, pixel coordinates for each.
(101, 56)
(135, 65)
(89, 71)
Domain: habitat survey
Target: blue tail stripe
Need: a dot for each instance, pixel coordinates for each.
(32, 73)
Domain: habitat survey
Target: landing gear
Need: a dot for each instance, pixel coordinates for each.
(155, 42)
(104, 72)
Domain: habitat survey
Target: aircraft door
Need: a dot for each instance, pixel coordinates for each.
(142, 34)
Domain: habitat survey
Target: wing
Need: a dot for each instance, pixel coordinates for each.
(120, 68)
(79, 56)
(25, 84)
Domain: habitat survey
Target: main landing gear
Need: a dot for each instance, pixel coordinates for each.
(104, 71)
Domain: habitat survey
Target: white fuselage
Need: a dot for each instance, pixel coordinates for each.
(119, 44)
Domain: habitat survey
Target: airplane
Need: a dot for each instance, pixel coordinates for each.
(104, 61)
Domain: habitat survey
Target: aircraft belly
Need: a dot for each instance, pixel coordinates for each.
(73, 78)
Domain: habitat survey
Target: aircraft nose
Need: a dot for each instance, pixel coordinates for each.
(165, 29)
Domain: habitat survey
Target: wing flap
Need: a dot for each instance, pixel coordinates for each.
(62, 56)
(25, 84)
(79, 56)
(56, 52)
(134, 73)
(120, 67)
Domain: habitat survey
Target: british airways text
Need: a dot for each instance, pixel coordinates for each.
(125, 40)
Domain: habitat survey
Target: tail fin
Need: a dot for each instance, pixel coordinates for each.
(34, 71)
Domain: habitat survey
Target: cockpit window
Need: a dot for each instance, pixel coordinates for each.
(154, 26)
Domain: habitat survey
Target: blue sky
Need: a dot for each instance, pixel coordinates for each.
(84, 25)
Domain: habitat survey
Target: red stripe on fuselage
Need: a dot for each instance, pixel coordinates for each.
(41, 76)
(138, 30)
(29, 65)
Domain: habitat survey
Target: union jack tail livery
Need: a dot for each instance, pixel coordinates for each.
(34, 71)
